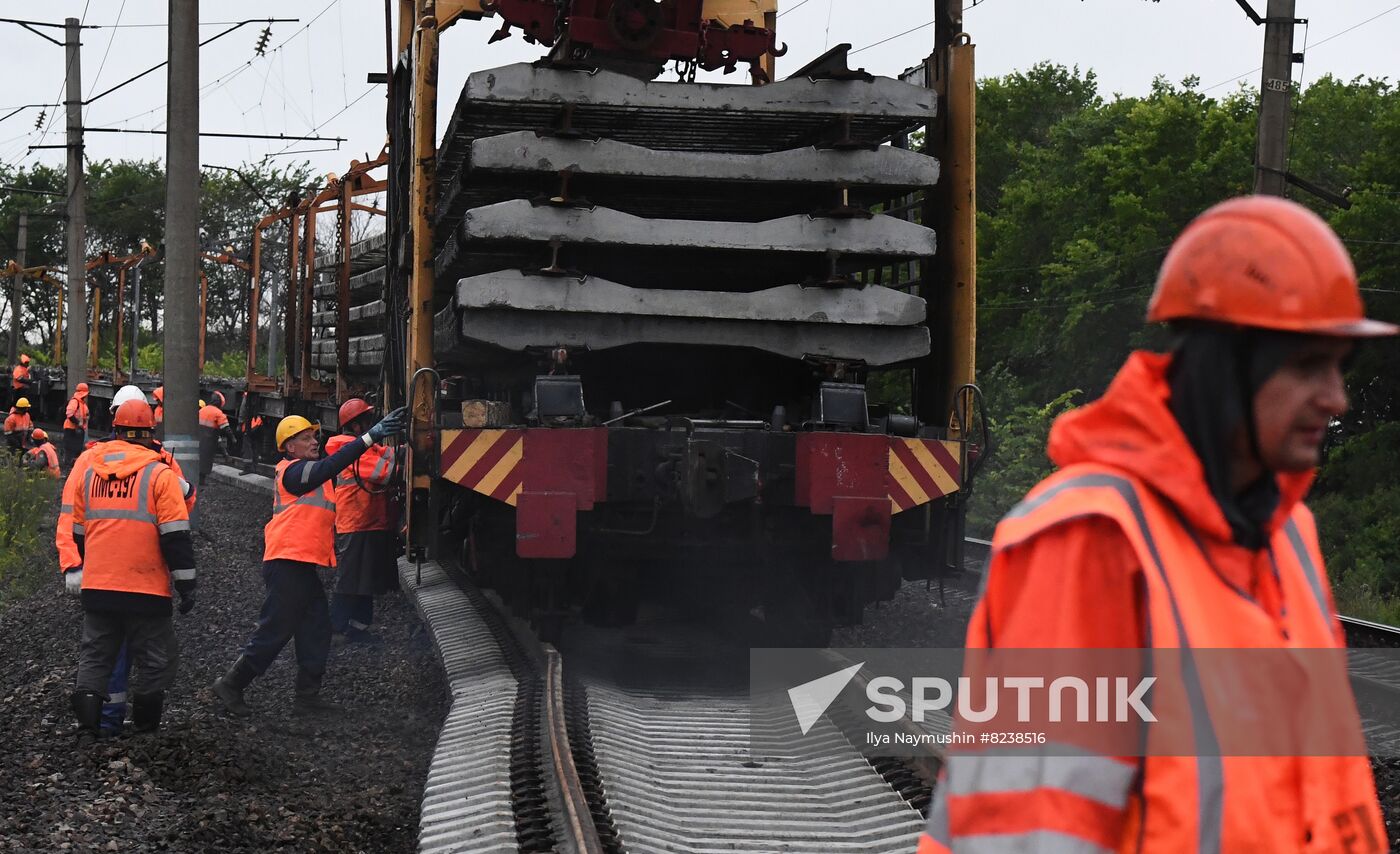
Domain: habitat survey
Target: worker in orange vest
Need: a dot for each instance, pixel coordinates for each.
(1176, 522)
(70, 563)
(18, 425)
(75, 423)
(299, 539)
(42, 456)
(132, 529)
(365, 538)
(19, 378)
(213, 424)
(159, 395)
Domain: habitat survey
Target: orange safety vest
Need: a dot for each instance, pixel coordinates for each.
(18, 376)
(212, 416)
(46, 452)
(1205, 803)
(302, 528)
(76, 415)
(356, 507)
(68, 557)
(17, 421)
(122, 517)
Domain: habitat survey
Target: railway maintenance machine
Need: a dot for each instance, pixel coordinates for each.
(670, 339)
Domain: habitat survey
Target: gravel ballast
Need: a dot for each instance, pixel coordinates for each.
(206, 781)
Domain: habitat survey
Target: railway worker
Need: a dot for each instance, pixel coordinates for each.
(299, 539)
(19, 378)
(18, 425)
(159, 395)
(75, 424)
(132, 531)
(213, 424)
(365, 541)
(42, 456)
(1176, 520)
(70, 563)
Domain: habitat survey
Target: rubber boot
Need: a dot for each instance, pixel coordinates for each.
(145, 711)
(87, 708)
(308, 698)
(229, 687)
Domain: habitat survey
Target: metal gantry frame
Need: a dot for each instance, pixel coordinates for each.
(226, 257)
(122, 263)
(338, 195)
(43, 273)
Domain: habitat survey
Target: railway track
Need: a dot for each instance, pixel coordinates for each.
(642, 744)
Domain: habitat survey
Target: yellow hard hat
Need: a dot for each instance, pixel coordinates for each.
(22, 403)
(202, 404)
(291, 426)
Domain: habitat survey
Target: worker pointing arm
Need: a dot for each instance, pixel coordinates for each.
(299, 539)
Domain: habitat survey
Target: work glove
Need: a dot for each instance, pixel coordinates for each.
(73, 581)
(390, 425)
(186, 602)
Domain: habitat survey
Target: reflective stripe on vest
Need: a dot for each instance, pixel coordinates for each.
(1150, 524)
(143, 492)
(310, 499)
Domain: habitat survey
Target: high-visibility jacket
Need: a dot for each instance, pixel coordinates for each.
(213, 417)
(128, 499)
(19, 377)
(1132, 488)
(46, 453)
(18, 422)
(68, 557)
(363, 505)
(302, 528)
(75, 416)
(159, 395)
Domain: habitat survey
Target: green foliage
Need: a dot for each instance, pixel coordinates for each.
(1358, 516)
(25, 521)
(1018, 461)
(125, 205)
(1080, 196)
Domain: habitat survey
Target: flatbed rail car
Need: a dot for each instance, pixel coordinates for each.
(641, 322)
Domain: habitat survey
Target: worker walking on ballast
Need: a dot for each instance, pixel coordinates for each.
(1176, 522)
(131, 530)
(299, 538)
(365, 539)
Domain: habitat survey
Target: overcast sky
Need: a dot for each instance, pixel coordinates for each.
(312, 80)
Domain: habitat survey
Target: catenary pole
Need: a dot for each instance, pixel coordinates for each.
(181, 369)
(17, 287)
(1275, 97)
(77, 218)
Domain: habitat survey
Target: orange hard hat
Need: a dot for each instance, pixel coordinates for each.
(159, 393)
(352, 409)
(1265, 262)
(23, 359)
(39, 435)
(134, 415)
(81, 390)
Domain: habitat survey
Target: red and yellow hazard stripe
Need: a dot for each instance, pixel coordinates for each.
(921, 470)
(485, 461)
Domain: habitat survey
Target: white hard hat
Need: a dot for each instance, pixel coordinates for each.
(125, 393)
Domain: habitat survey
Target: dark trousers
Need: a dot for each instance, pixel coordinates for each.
(114, 710)
(351, 612)
(150, 642)
(294, 610)
(73, 441)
